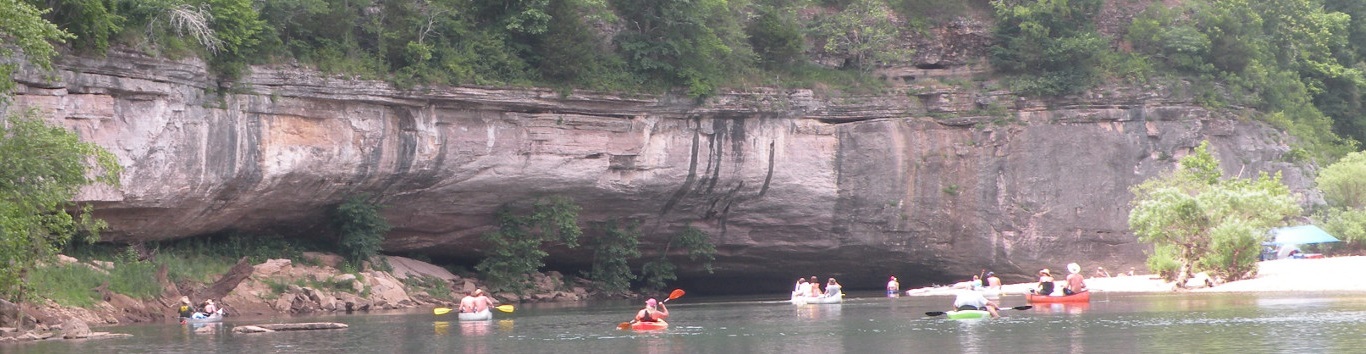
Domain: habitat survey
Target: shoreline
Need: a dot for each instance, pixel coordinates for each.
(1277, 276)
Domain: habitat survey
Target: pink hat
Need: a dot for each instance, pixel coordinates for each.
(650, 302)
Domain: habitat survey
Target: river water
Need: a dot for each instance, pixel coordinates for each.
(864, 323)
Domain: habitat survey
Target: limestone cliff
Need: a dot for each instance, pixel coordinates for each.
(930, 182)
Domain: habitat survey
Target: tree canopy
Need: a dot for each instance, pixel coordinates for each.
(1199, 221)
(42, 167)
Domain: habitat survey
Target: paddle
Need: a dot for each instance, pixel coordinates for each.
(445, 310)
(941, 313)
(677, 293)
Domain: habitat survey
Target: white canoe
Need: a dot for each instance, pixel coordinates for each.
(217, 316)
(802, 300)
(484, 315)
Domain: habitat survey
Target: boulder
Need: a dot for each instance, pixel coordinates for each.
(406, 267)
(271, 266)
(74, 328)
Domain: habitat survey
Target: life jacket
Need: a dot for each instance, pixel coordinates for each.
(647, 317)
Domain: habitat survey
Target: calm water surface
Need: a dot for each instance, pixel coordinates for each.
(1112, 323)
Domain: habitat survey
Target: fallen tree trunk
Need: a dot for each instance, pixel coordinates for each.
(229, 281)
(302, 326)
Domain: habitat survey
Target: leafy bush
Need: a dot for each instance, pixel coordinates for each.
(515, 249)
(1050, 48)
(360, 230)
(611, 250)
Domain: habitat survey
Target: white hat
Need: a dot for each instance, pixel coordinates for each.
(1073, 268)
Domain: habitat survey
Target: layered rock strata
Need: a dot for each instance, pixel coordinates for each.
(928, 181)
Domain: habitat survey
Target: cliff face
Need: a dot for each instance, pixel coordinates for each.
(930, 183)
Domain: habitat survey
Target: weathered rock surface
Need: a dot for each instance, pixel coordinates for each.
(929, 183)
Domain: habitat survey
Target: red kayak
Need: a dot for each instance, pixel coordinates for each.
(1084, 296)
(649, 326)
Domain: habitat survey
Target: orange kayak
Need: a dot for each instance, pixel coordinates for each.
(649, 326)
(1084, 296)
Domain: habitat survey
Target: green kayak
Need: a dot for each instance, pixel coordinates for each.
(968, 314)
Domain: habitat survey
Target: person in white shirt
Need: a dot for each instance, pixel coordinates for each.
(973, 300)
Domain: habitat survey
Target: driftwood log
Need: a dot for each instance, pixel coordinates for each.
(229, 281)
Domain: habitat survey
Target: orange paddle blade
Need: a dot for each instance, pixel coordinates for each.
(624, 325)
(677, 293)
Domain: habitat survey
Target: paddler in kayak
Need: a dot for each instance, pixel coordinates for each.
(653, 312)
(973, 300)
(475, 302)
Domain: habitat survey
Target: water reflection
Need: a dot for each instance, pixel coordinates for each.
(475, 328)
(1061, 308)
(659, 345)
(1150, 323)
(474, 334)
(818, 312)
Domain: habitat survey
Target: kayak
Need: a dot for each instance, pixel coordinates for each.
(1084, 296)
(801, 300)
(484, 315)
(199, 317)
(968, 314)
(649, 326)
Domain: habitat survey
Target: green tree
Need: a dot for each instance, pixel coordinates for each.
(23, 26)
(1344, 183)
(360, 229)
(611, 252)
(1206, 222)
(693, 44)
(1344, 189)
(1049, 47)
(92, 21)
(775, 34)
(238, 28)
(42, 167)
(658, 272)
(515, 250)
(863, 33)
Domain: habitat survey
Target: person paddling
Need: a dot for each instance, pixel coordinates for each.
(967, 300)
(832, 288)
(1075, 282)
(653, 312)
(815, 287)
(476, 301)
(1045, 283)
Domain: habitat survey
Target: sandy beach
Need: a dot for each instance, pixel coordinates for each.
(1285, 275)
